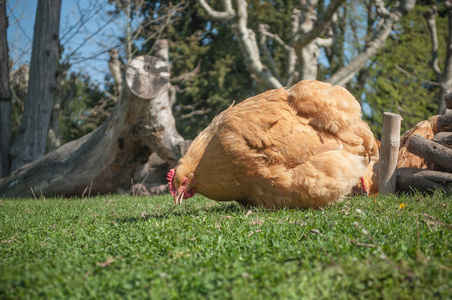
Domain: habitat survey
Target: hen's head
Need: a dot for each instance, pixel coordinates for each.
(181, 187)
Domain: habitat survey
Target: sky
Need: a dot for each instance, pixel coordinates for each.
(21, 17)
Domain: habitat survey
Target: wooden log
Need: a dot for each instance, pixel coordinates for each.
(413, 179)
(444, 123)
(448, 99)
(431, 151)
(104, 160)
(444, 138)
(390, 141)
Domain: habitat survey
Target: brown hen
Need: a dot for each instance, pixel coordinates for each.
(300, 147)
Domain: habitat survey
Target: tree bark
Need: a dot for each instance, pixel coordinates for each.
(444, 138)
(104, 160)
(413, 179)
(431, 151)
(5, 95)
(444, 123)
(31, 139)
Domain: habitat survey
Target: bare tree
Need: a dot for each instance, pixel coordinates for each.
(30, 142)
(310, 30)
(5, 95)
(444, 77)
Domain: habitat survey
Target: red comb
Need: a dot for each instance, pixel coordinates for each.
(170, 178)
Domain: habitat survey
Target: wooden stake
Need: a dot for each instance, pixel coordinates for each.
(390, 141)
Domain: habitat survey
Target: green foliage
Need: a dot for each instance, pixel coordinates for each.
(389, 89)
(87, 109)
(222, 77)
(135, 247)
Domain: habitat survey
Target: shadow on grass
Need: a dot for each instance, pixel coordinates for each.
(171, 212)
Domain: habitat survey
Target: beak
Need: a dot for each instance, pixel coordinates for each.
(179, 197)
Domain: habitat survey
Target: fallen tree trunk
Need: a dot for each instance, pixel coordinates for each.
(431, 151)
(427, 181)
(104, 160)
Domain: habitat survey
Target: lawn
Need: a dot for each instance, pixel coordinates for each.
(143, 247)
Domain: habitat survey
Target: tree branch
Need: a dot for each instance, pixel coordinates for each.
(196, 112)
(398, 68)
(301, 40)
(215, 15)
(250, 49)
(430, 16)
(263, 42)
(381, 9)
(377, 42)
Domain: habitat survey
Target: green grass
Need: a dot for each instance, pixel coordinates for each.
(127, 247)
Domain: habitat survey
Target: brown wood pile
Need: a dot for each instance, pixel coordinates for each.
(425, 155)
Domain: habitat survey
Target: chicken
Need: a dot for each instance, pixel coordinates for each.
(297, 148)
(368, 184)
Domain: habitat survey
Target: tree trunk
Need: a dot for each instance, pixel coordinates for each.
(5, 95)
(104, 160)
(31, 139)
(444, 76)
(427, 181)
(431, 151)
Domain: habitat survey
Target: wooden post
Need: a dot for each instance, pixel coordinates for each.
(390, 141)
